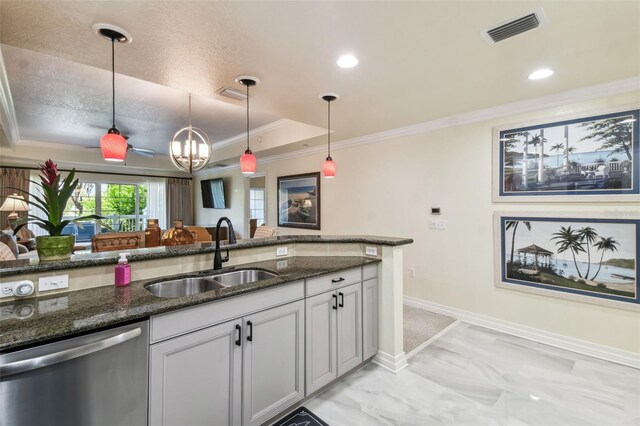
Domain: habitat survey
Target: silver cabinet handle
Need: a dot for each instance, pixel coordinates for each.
(67, 354)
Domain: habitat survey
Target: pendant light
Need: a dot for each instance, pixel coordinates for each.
(248, 161)
(112, 144)
(329, 167)
(190, 148)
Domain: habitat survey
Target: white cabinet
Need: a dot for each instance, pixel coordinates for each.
(369, 318)
(240, 372)
(195, 379)
(273, 361)
(334, 335)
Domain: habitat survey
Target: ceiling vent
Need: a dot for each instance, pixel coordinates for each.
(232, 93)
(515, 26)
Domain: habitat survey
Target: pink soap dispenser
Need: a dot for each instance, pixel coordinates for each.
(123, 271)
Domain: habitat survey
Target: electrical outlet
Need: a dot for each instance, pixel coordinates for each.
(412, 272)
(282, 251)
(55, 282)
(371, 251)
(439, 224)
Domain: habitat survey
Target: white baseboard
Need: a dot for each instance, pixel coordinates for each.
(395, 364)
(595, 350)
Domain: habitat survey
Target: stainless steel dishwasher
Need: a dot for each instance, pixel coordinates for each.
(97, 379)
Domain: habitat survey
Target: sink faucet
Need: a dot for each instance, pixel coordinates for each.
(217, 259)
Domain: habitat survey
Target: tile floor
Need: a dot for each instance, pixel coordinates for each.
(475, 376)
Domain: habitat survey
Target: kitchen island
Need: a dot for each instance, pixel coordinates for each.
(92, 301)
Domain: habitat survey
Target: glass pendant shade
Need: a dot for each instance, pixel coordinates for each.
(328, 168)
(248, 163)
(190, 149)
(113, 146)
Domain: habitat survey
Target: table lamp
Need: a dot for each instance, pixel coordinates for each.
(14, 203)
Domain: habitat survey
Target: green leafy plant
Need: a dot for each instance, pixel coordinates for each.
(54, 195)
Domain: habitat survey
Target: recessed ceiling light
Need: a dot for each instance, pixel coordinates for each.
(540, 74)
(347, 61)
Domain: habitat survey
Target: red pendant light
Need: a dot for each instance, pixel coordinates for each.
(329, 166)
(113, 145)
(248, 161)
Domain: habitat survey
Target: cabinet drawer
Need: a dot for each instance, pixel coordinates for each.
(333, 281)
(173, 324)
(369, 271)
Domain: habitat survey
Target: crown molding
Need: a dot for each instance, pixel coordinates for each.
(8, 118)
(558, 99)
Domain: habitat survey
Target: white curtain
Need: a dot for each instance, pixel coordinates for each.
(35, 189)
(157, 201)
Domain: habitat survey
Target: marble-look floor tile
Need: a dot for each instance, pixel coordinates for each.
(476, 376)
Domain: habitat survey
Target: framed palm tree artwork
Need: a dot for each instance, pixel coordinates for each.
(590, 258)
(579, 158)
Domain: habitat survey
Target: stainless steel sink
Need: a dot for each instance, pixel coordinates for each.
(183, 287)
(195, 285)
(243, 276)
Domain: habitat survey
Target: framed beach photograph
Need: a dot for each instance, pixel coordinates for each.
(591, 157)
(299, 201)
(590, 258)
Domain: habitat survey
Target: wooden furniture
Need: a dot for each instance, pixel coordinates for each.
(224, 232)
(199, 233)
(253, 224)
(119, 241)
(265, 232)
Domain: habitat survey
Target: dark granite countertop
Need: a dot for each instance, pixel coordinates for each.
(25, 322)
(32, 265)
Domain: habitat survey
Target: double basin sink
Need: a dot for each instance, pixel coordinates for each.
(195, 285)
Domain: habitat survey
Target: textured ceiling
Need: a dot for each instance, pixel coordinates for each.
(418, 60)
(57, 100)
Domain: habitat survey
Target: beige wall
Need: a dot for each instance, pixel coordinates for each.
(236, 189)
(388, 188)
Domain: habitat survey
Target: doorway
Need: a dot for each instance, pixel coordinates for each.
(257, 203)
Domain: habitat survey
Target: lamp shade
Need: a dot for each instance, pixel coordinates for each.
(329, 168)
(248, 163)
(14, 203)
(113, 146)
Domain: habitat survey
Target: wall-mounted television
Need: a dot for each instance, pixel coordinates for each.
(213, 194)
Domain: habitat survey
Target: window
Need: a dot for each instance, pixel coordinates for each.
(126, 206)
(256, 205)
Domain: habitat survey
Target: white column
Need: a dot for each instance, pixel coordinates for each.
(390, 296)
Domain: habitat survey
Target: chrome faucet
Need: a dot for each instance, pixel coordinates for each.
(217, 259)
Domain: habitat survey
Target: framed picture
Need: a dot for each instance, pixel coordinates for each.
(299, 201)
(581, 158)
(591, 258)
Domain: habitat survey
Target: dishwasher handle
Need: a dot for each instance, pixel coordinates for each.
(67, 354)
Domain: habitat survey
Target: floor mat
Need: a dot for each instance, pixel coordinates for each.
(421, 325)
(301, 417)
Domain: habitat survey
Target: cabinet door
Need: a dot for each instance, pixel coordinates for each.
(370, 318)
(273, 375)
(321, 352)
(195, 379)
(349, 327)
